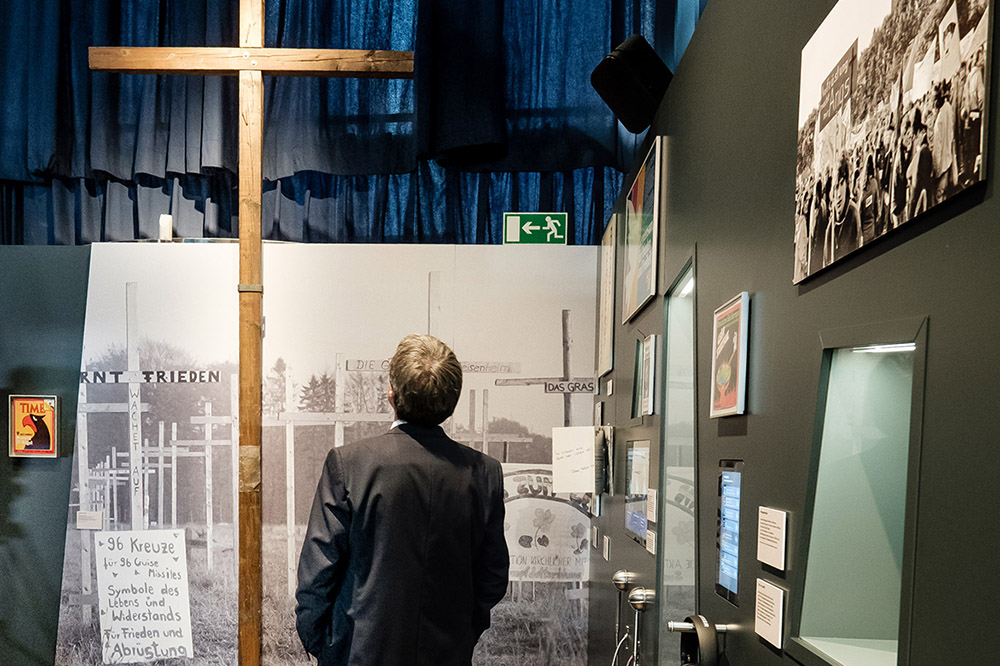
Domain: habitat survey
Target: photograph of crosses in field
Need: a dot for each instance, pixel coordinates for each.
(893, 97)
(515, 320)
(156, 450)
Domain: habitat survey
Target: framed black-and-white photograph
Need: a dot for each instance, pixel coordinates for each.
(893, 99)
(729, 357)
(606, 308)
(642, 221)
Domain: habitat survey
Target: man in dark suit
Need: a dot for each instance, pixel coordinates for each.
(404, 555)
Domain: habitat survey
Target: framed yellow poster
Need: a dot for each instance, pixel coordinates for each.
(729, 360)
(33, 426)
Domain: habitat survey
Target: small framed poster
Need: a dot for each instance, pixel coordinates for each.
(33, 426)
(729, 357)
(642, 221)
(648, 374)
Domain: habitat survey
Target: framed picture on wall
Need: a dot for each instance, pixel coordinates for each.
(642, 220)
(33, 426)
(648, 374)
(729, 357)
(637, 472)
(892, 105)
(606, 306)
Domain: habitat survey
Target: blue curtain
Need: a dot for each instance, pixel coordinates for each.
(501, 116)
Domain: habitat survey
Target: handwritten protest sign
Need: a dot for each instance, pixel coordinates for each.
(143, 596)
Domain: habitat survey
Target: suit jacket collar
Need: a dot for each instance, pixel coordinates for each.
(417, 431)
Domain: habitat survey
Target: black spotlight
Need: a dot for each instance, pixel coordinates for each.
(631, 80)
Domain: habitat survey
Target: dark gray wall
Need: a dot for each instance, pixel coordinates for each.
(730, 118)
(43, 295)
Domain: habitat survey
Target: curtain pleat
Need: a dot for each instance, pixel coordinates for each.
(514, 124)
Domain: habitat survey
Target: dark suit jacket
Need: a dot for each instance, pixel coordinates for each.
(404, 555)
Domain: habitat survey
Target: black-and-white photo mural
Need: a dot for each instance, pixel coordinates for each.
(150, 571)
(892, 101)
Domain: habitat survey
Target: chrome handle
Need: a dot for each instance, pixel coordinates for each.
(688, 626)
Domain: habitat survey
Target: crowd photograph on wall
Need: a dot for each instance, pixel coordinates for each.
(892, 100)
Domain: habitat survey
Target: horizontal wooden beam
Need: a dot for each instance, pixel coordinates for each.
(341, 63)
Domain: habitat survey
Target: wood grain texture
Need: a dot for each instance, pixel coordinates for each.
(251, 592)
(250, 62)
(251, 139)
(251, 23)
(339, 63)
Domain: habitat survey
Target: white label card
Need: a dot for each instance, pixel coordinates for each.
(573, 459)
(651, 541)
(771, 532)
(90, 520)
(142, 593)
(651, 505)
(769, 615)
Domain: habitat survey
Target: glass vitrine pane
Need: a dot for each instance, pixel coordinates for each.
(850, 607)
(676, 551)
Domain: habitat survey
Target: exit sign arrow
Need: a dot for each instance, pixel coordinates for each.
(534, 228)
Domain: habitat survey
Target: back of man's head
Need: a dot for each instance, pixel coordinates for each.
(426, 380)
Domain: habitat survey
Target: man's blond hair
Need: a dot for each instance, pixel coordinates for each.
(426, 380)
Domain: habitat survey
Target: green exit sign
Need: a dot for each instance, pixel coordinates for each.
(537, 228)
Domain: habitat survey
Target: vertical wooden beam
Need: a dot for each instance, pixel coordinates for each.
(234, 451)
(472, 417)
(434, 303)
(290, 482)
(209, 489)
(565, 364)
(106, 523)
(114, 485)
(83, 478)
(173, 475)
(486, 422)
(160, 475)
(340, 380)
(136, 512)
(251, 139)
(147, 471)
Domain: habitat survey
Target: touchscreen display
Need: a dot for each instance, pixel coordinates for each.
(729, 531)
(637, 489)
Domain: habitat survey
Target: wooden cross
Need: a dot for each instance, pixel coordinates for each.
(250, 61)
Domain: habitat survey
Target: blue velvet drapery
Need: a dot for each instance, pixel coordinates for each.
(500, 117)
